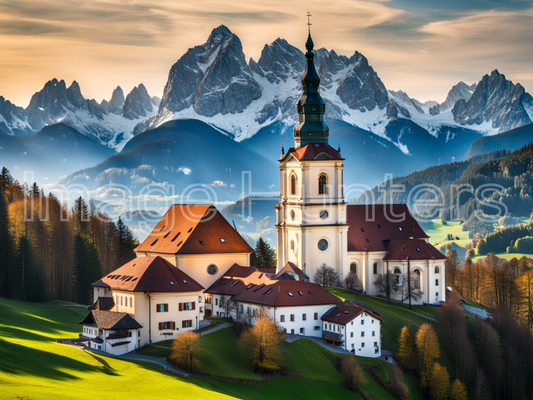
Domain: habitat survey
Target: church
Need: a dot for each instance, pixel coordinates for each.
(195, 264)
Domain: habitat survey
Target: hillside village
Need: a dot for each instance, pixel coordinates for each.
(194, 264)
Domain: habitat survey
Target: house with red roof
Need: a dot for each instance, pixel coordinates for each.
(354, 327)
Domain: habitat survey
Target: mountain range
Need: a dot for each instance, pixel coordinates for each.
(221, 114)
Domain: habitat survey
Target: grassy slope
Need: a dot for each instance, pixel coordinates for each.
(438, 232)
(395, 315)
(506, 256)
(33, 365)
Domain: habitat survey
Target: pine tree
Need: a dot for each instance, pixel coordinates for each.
(427, 346)
(264, 256)
(6, 178)
(126, 242)
(26, 279)
(406, 355)
(459, 391)
(6, 243)
(86, 267)
(80, 216)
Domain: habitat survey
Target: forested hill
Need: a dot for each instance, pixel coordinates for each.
(511, 140)
(508, 178)
(439, 175)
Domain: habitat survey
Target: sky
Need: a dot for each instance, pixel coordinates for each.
(422, 47)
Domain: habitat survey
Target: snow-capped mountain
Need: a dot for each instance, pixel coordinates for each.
(109, 123)
(498, 101)
(213, 83)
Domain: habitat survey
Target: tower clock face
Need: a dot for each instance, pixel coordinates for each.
(324, 214)
(323, 245)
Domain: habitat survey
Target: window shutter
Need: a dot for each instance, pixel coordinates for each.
(181, 306)
(194, 305)
(166, 307)
(160, 326)
(183, 324)
(173, 325)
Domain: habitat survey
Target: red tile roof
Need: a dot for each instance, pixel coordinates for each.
(314, 151)
(193, 229)
(414, 249)
(248, 284)
(103, 303)
(292, 268)
(286, 293)
(372, 225)
(149, 274)
(237, 278)
(344, 313)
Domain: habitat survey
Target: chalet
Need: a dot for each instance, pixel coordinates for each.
(355, 328)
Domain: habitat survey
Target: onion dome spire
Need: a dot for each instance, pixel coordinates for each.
(311, 127)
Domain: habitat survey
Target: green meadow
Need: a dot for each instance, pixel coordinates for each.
(34, 366)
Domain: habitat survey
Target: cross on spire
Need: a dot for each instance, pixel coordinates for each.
(309, 22)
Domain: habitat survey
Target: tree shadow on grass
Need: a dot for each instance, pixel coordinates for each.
(23, 360)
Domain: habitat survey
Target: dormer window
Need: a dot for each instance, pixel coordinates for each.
(322, 184)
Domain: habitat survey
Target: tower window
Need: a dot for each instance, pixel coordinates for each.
(292, 245)
(322, 184)
(293, 184)
(437, 269)
(375, 268)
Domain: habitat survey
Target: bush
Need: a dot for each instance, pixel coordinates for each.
(524, 245)
(352, 373)
(470, 253)
(184, 351)
(397, 387)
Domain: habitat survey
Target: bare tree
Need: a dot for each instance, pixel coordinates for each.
(409, 288)
(385, 285)
(352, 282)
(352, 373)
(326, 276)
(452, 266)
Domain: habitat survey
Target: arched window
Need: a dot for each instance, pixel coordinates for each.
(375, 268)
(437, 270)
(353, 268)
(293, 184)
(322, 184)
(416, 279)
(397, 276)
(292, 245)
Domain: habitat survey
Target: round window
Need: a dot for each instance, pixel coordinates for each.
(293, 215)
(324, 214)
(212, 269)
(323, 245)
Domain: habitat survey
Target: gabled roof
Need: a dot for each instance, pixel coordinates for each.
(344, 313)
(103, 303)
(149, 274)
(313, 152)
(291, 268)
(414, 249)
(286, 293)
(371, 226)
(193, 229)
(110, 320)
(236, 279)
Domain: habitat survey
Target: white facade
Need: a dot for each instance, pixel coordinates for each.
(370, 265)
(160, 325)
(311, 220)
(362, 335)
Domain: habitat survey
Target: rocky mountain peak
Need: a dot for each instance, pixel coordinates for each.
(495, 100)
(117, 101)
(362, 89)
(138, 103)
(279, 61)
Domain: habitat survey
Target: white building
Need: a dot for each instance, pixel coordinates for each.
(355, 328)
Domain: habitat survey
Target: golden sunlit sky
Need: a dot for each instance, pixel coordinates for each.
(422, 47)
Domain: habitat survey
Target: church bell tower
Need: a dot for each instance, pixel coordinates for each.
(311, 216)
